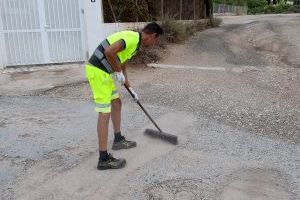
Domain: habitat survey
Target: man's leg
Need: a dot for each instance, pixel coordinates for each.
(116, 105)
(101, 85)
(106, 161)
(119, 142)
(102, 129)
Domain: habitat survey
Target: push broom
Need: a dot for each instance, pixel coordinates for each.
(155, 133)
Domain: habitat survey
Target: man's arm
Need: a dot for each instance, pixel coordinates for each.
(124, 66)
(136, 97)
(111, 54)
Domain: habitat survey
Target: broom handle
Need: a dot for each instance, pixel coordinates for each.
(145, 111)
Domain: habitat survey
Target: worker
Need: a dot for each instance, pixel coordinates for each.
(105, 70)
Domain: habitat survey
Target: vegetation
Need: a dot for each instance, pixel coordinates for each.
(174, 32)
(126, 11)
(150, 10)
(178, 31)
(294, 9)
(272, 6)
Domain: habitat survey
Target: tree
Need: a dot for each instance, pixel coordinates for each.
(209, 8)
(125, 11)
(112, 11)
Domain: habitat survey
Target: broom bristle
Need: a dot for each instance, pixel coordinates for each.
(162, 135)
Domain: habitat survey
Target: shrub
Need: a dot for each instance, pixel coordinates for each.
(294, 9)
(269, 9)
(256, 3)
(178, 31)
(256, 6)
(256, 10)
(174, 32)
(214, 22)
(282, 8)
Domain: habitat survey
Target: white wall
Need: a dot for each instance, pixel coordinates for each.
(2, 46)
(93, 20)
(96, 29)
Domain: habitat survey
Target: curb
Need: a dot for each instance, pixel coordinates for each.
(11, 70)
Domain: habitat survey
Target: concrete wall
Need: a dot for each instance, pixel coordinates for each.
(96, 29)
(2, 47)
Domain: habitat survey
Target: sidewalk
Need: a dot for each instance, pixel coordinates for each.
(29, 80)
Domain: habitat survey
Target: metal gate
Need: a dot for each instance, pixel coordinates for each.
(41, 31)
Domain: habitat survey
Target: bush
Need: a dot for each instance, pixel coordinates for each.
(174, 32)
(256, 3)
(259, 6)
(294, 9)
(282, 8)
(178, 31)
(256, 10)
(269, 9)
(214, 22)
(256, 6)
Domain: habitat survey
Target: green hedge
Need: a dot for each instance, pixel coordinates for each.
(260, 6)
(256, 6)
(281, 8)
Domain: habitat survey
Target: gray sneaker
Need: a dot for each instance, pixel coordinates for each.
(111, 163)
(123, 144)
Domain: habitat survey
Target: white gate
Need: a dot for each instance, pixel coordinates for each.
(224, 9)
(41, 31)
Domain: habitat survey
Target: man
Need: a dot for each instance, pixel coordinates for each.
(105, 69)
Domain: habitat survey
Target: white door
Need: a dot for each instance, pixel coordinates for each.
(64, 30)
(41, 31)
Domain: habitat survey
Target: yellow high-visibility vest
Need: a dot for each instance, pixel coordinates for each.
(132, 41)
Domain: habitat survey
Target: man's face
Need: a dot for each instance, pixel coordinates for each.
(152, 39)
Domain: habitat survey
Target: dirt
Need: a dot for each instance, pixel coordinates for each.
(269, 41)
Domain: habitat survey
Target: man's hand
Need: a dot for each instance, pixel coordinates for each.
(119, 77)
(126, 81)
(136, 98)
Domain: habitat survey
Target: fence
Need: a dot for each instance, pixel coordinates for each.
(40, 31)
(224, 9)
(127, 11)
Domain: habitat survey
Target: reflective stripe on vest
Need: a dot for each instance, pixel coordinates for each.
(108, 67)
(105, 44)
(99, 105)
(99, 54)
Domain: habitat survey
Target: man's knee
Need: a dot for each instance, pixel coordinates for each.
(116, 103)
(103, 117)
